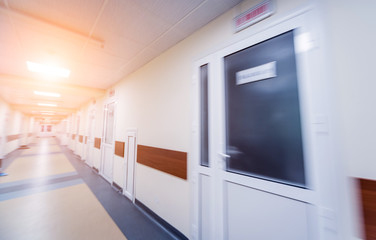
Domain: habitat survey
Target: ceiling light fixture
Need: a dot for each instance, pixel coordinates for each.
(48, 69)
(47, 104)
(47, 94)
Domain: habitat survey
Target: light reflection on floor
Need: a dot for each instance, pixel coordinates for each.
(61, 209)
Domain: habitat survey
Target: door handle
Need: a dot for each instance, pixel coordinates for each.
(224, 155)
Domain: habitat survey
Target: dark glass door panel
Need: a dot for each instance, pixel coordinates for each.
(204, 116)
(263, 127)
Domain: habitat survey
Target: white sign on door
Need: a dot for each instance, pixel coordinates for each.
(267, 70)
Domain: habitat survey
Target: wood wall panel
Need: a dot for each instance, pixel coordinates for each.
(97, 143)
(81, 138)
(119, 148)
(168, 161)
(368, 195)
(13, 137)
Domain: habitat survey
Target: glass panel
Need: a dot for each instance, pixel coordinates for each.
(78, 126)
(263, 126)
(91, 127)
(109, 123)
(204, 158)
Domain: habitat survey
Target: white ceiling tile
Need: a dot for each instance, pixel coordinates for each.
(141, 59)
(127, 35)
(98, 57)
(12, 62)
(7, 33)
(168, 40)
(170, 10)
(121, 47)
(206, 13)
(42, 47)
(128, 20)
(117, 18)
(72, 14)
(21, 95)
(86, 74)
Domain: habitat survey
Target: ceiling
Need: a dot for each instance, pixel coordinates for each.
(100, 41)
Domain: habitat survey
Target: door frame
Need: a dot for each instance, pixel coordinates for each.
(101, 170)
(4, 119)
(301, 23)
(196, 167)
(130, 133)
(91, 113)
(77, 133)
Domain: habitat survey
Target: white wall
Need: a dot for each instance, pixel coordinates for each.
(4, 108)
(83, 130)
(98, 130)
(352, 36)
(71, 124)
(156, 100)
(12, 122)
(62, 132)
(80, 131)
(13, 127)
(31, 130)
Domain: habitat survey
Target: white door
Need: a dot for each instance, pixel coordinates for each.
(130, 162)
(253, 178)
(108, 141)
(90, 138)
(76, 139)
(4, 116)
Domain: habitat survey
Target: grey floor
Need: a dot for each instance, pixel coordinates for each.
(131, 220)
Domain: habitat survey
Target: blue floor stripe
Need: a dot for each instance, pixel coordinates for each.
(39, 154)
(40, 179)
(30, 191)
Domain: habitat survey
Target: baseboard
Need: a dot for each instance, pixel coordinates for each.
(168, 227)
(117, 187)
(96, 170)
(23, 147)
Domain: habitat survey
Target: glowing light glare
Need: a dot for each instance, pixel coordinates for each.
(47, 112)
(48, 69)
(304, 42)
(47, 104)
(47, 94)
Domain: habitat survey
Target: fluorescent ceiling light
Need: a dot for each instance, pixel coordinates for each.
(47, 104)
(47, 112)
(48, 69)
(47, 94)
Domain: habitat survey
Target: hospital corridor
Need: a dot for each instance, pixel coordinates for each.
(50, 194)
(187, 119)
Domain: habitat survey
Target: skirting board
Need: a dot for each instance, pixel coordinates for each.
(117, 187)
(168, 227)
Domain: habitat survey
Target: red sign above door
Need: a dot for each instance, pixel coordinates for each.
(254, 15)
